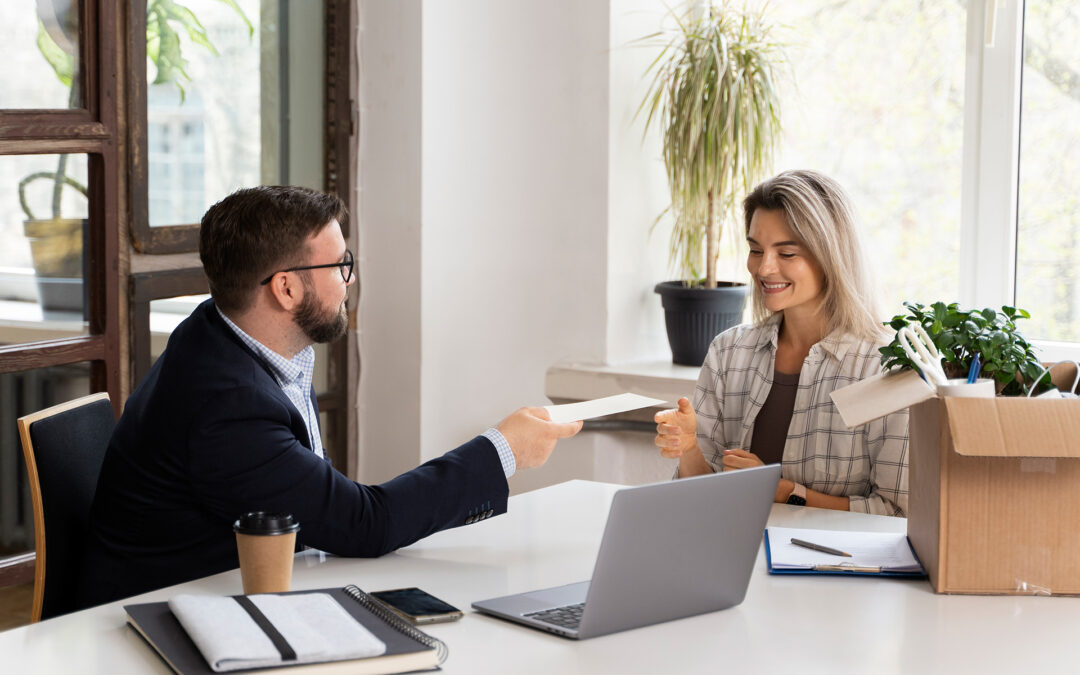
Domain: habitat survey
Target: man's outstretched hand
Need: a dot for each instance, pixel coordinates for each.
(532, 436)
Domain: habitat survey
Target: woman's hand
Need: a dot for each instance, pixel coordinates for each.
(676, 430)
(740, 459)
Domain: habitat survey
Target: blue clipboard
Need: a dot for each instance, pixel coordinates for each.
(854, 572)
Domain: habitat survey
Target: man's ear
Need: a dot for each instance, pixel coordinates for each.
(286, 291)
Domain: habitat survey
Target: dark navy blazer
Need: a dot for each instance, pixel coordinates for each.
(209, 435)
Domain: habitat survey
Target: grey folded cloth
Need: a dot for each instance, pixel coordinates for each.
(315, 626)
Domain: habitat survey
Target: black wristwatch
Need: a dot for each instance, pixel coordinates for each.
(797, 496)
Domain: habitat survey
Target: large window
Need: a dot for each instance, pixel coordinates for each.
(1048, 223)
(60, 212)
(874, 98)
(40, 47)
(73, 84)
(203, 130)
(1021, 215)
(44, 226)
(953, 126)
(262, 99)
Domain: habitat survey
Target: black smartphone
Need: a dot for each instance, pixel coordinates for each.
(417, 606)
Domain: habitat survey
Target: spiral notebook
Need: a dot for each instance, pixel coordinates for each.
(407, 648)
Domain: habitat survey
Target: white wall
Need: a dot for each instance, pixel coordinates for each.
(637, 192)
(388, 243)
(499, 170)
(514, 201)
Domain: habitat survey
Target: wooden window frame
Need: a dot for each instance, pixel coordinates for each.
(146, 239)
(338, 128)
(96, 131)
(148, 285)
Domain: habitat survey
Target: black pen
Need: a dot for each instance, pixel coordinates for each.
(819, 547)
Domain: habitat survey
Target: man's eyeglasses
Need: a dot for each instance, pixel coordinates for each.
(346, 266)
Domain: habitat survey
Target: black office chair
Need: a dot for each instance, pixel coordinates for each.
(64, 447)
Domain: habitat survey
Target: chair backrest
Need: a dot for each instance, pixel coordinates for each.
(64, 447)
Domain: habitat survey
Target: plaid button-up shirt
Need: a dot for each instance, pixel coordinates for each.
(868, 464)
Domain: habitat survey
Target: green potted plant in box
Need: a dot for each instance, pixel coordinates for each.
(713, 93)
(57, 244)
(960, 335)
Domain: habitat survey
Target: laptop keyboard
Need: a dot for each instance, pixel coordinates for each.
(566, 617)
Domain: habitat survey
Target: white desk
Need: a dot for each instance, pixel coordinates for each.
(788, 624)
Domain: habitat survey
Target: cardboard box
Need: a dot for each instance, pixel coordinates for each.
(994, 485)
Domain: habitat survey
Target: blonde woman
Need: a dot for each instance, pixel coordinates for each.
(762, 396)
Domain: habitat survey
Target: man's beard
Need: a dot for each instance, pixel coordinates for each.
(319, 325)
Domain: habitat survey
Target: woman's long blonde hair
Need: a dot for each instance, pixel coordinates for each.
(820, 214)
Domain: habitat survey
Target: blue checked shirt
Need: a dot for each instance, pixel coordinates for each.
(294, 376)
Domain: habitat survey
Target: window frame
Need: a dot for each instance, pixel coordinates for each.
(181, 238)
(93, 130)
(991, 153)
(991, 163)
(149, 281)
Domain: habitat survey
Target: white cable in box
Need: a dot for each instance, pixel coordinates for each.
(994, 484)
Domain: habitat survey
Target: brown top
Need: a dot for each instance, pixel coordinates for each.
(774, 418)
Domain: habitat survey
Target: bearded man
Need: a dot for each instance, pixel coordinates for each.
(226, 421)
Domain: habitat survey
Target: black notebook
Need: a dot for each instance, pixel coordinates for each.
(407, 648)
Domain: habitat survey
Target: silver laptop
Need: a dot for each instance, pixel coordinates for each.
(669, 550)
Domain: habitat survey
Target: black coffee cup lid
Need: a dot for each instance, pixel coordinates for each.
(265, 522)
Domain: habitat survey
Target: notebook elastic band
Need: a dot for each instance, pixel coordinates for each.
(282, 645)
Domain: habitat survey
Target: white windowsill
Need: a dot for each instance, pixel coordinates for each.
(23, 322)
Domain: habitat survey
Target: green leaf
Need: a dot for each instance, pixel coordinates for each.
(939, 313)
(951, 320)
(163, 47)
(239, 11)
(1030, 370)
(62, 63)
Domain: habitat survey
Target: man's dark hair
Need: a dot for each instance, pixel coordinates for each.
(257, 231)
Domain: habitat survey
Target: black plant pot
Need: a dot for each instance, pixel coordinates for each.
(695, 316)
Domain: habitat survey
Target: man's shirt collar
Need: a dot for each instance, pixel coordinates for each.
(285, 371)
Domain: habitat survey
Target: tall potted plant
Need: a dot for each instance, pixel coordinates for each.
(713, 94)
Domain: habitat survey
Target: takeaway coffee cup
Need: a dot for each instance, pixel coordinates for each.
(265, 543)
